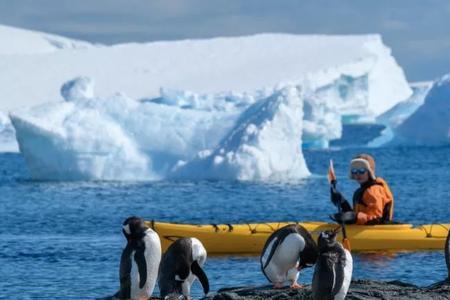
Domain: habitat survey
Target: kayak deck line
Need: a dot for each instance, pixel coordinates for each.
(249, 238)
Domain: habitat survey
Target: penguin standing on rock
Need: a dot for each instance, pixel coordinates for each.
(287, 251)
(140, 260)
(181, 265)
(334, 268)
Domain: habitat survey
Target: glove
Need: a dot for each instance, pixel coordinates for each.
(336, 197)
(348, 217)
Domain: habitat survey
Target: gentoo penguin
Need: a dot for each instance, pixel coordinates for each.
(286, 252)
(333, 271)
(140, 260)
(447, 254)
(181, 265)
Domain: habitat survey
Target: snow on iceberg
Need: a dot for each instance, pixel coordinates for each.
(118, 138)
(429, 125)
(263, 144)
(400, 112)
(321, 117)
(361, 66)
(22, 41)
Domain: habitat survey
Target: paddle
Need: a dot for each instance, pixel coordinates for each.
(333, 181)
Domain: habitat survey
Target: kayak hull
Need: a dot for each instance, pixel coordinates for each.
(250, 238)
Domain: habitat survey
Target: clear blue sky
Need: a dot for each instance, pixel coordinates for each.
(418, 31)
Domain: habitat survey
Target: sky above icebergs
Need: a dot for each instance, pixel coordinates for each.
(416, 30)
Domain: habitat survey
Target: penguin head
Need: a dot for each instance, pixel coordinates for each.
(134, 228)
(327, 239)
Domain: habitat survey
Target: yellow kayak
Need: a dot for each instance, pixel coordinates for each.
(250, 238)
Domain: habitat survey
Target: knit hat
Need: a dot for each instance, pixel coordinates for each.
(363, 161)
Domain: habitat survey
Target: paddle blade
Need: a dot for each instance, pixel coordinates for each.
(346, 244)
(331, 174)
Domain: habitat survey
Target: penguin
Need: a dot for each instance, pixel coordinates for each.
(287, 251)
(334, 268)
(447, 254)
(181, 265)
(140, 260)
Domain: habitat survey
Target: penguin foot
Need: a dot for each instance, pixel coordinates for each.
(295, 285)
(278, 285)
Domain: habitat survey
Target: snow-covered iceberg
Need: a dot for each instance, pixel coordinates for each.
(429, 125)
(119, 138)
(394, 117)
(263, 144)
(359, 69)
(357, 80)
(16, 41)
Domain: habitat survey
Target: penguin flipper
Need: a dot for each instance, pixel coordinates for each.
(124, 273)
(198, 271)
(139, 258)
(276, 242)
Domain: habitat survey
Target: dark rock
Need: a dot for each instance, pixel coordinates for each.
(359, 290)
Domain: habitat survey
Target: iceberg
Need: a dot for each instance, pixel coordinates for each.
(429, 125)
(402, 110)
(357, 81)
(263, 144)
(360, 69)
(16, 41)
(119, 138)
(394, 117)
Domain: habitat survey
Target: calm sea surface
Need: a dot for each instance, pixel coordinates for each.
(63, 239)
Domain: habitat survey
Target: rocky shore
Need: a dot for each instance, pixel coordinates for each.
(359, 290)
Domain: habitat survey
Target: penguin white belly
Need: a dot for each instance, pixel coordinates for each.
(285, 258)
(152, 255)
(348, 270)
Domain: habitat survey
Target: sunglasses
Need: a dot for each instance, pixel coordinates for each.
(359, 171)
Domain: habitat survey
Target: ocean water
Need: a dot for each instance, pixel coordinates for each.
(64, 240)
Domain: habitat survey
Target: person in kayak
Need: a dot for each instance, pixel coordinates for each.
(373, 202)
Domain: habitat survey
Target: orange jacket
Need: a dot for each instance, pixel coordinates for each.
(377, 202)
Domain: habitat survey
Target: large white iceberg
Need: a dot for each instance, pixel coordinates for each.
(119, 138)
(355, 81)
(429, 125)
(360, 69)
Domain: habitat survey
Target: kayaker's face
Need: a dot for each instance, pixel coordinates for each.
(361, 178)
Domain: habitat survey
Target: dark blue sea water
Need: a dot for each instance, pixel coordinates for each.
(63, 239)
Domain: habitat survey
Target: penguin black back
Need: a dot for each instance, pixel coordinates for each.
(177, 264)
(309, 254)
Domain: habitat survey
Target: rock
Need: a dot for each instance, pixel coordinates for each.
(359, 290)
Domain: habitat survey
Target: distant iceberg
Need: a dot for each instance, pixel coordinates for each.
(429, 125)
(119, 138)
(394, 117)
